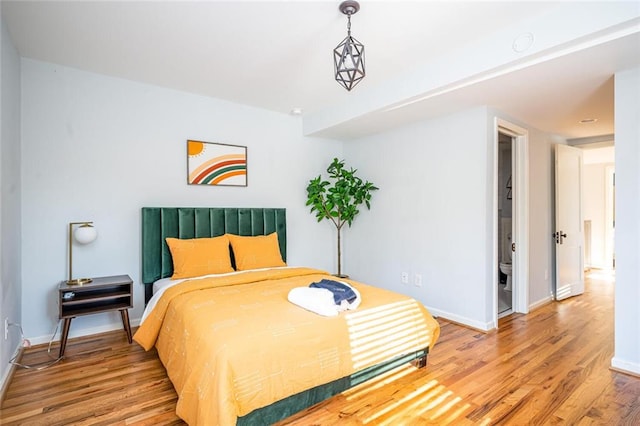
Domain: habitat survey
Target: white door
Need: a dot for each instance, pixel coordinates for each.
(568, 235)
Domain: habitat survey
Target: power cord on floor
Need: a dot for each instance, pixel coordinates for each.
(27, 344)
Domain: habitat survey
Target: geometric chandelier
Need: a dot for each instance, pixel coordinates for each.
(348, 56)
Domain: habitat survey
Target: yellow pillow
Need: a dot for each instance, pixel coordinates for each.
(262, 251)
(199, 256)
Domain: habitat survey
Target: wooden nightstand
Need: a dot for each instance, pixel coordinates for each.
(103, 294)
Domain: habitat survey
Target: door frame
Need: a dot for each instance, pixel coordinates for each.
(610, 216)
(520, 217)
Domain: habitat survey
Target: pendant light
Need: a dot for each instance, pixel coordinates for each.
(348, 56)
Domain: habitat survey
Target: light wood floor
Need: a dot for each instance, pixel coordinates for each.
(549, 367)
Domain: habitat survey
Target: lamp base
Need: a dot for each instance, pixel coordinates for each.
(79, 281)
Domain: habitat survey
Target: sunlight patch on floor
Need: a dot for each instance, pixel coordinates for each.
(429, 403)
(601, 274)
(380, 334)
(430, 397)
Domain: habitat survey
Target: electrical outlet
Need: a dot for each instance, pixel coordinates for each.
(417, 280)
(6, 328)
(404, 278)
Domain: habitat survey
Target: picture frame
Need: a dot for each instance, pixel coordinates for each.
(216, 164)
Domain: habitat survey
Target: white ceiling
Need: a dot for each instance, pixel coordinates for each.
(277, 55)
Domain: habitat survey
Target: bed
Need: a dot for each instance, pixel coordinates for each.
(236, 350)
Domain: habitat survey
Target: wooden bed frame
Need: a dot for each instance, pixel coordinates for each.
(159, 223)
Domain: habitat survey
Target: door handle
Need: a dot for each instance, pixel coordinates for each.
(513, 247)
(559, 236)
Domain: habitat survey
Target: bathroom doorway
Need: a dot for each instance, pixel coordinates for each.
(519, 203)
(505, 191)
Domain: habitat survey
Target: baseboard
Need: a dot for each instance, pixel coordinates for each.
(479, 326)
(465, 322)
(541, 303)
(116, 325)
(625, 367)
(8, 375)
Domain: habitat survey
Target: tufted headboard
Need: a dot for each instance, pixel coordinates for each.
(159, 223)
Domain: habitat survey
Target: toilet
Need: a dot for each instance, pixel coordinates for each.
(506, 268)
(505, 265)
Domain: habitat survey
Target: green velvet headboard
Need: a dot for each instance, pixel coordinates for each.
(159, 223)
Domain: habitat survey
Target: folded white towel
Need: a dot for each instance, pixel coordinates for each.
(320, 300)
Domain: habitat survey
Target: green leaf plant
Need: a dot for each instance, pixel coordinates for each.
(338, 198)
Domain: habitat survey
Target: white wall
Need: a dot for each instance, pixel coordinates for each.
(99, 148)
(429, 216)
(627, 240)
(10, 221)
(433, 214)
(541, 216)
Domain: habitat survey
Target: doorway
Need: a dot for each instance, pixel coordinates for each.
(585, 216)
(505, 192)
(520, 217)
(599, 206)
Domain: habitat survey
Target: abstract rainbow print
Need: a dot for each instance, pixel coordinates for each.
(216, 164)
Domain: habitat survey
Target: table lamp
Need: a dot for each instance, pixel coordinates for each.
(84, 234)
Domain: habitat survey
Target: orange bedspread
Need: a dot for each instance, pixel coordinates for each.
(233, 344)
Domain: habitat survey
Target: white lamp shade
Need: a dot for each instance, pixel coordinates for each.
(85, 234)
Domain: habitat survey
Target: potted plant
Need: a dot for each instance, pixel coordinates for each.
(338, 198)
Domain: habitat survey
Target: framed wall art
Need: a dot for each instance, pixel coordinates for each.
(218, 164)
